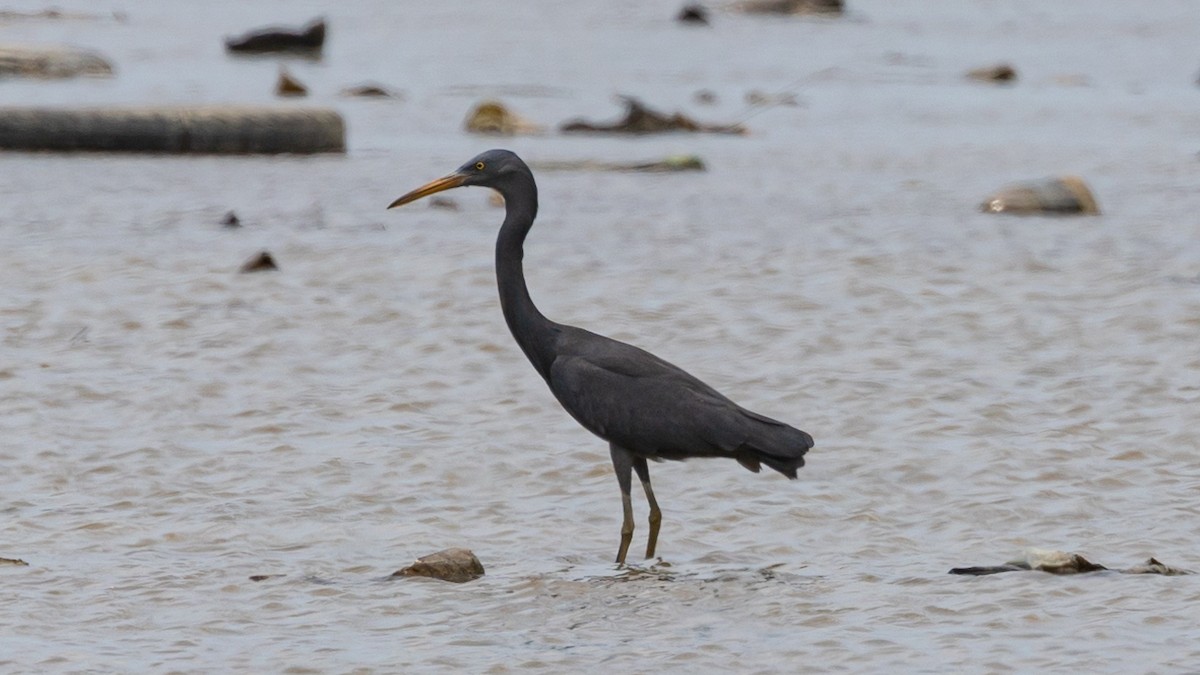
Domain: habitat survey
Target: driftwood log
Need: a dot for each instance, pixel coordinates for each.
(203, 130)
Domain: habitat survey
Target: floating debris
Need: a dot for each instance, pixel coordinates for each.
(821, 7)
(264, 577)
(693, 15)
(52, 62)
(54, 14)
(1063, 196)
(231, 221)
(673, 163)
(495, 119)
(307, 40)
(1001, 73)
(262, 262)
(761, 99)
(1062, 562)
(705, 97)
(458, 565)
(289, 86)
(369, 91)
(16, 562)
(642, 120)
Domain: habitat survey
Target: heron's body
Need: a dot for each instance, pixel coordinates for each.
(645, 407)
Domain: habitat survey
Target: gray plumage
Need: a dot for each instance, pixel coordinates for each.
(645, 407)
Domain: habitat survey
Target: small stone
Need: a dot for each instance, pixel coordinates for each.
(694, 15)
(263, 262)
(369, 91)
(231, 221)
(289, 86)
(264, 577)
(457, 565)
(1001, 73)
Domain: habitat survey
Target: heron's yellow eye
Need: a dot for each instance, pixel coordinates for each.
(479, 166)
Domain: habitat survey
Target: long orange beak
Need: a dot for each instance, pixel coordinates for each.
(444, 183)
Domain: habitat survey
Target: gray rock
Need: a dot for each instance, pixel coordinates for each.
(1067, 195)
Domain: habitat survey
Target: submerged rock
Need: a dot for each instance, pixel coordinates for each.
(1062, 562)
(825, 7)
(1001, 73)
(458, 565)
(642, 120)
(289, 86)
(262, 262)
(694, 15)
(369, 91)
(309, 39)
(1066, 195)
(495, 119)
(52, 62)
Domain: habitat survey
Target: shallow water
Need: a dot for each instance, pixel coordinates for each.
(976, 384)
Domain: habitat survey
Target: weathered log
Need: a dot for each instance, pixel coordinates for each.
(204, 130)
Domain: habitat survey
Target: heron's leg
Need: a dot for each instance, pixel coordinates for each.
(623, 463)
(643, 472)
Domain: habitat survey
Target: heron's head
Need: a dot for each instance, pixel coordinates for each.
(497, 169)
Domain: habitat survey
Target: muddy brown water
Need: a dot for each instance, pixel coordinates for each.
(976, 384)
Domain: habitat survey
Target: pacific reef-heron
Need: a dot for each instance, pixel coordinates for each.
(646, 408)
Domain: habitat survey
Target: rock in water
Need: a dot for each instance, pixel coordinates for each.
(1068, 195)
(693, 14)
(52, 62)
(1001, 73)
(309, 39)
(1062, 562)
(263, 262)
(494, 118)
(458, 565)
(289, 86)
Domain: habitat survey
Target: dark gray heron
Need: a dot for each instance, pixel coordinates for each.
(643, 406)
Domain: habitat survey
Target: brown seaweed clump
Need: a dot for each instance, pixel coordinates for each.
(307, 40)
(642, 120)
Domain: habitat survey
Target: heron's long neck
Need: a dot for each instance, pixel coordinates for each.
(532, 330)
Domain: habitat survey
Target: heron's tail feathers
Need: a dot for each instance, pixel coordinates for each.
(777, 445)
